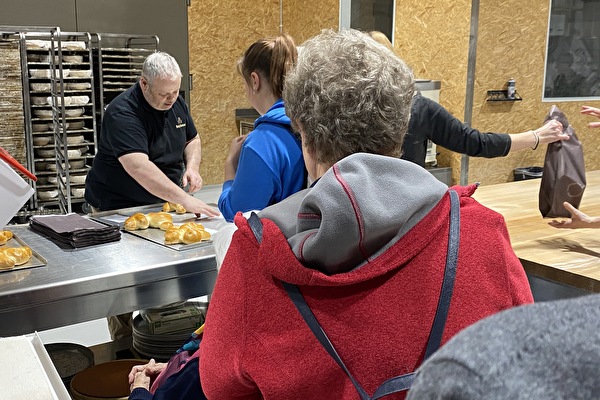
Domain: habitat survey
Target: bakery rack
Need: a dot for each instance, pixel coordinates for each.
(118, 63)
(60, 106)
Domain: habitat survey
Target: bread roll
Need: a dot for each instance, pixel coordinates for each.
(5, 236)
(161, 220)
(178, 208)
(187, 233)
(13, 256)
(135, 222)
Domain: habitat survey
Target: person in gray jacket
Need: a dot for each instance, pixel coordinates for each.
(548, 350)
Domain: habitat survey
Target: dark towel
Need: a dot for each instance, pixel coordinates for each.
(74, 230)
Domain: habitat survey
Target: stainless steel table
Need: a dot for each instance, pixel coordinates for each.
(98, 281)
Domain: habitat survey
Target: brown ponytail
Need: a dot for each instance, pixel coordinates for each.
(271, 58)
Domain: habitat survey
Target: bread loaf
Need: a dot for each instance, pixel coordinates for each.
(12, 256)
(161, 220)
(135, 222)
(5, 236)
(178, 208)
(187, 233)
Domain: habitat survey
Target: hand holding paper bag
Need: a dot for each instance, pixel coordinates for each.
(579, 219)
(563, 179)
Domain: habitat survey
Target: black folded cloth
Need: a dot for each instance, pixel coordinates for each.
(74, 230)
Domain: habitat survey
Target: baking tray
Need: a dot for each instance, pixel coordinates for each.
(36, 260)
(156, 235)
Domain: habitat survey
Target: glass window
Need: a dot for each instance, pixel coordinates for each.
(572, 71)
(368, 15)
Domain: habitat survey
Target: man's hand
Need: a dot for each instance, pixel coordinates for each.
(192, 178)
(198, 207)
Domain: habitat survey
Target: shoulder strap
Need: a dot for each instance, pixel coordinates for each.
(256, 226)
(441, 314)
(402, 382)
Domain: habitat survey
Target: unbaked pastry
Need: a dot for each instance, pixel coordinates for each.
(12, 256)
(188, 233)
(5, 236)
(135, 222)
(178, 208)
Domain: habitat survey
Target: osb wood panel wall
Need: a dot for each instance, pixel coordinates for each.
(305, 19)
(219, 33)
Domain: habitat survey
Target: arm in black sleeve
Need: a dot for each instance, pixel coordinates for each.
(429, 120)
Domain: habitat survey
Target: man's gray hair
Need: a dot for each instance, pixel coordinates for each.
(349, 94)
(160, 65)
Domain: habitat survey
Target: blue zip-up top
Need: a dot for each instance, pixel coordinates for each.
(270, 168)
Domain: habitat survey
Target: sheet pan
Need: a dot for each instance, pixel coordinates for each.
(36, 259)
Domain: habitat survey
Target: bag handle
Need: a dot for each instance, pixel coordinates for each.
(402, 382)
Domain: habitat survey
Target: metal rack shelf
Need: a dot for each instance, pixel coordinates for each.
(118, 65)
(59, 66)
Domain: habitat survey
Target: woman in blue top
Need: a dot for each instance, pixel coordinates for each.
(265, 166)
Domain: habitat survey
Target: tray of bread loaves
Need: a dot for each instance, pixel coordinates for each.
(170, 226)
(16, 254)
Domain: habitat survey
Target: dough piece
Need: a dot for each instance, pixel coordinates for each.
(13, 256)
(161, 220)
(5, 236)
(135, 222)
(178, 208)
(187, 233)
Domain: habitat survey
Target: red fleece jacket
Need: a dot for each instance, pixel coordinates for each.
(256, 345)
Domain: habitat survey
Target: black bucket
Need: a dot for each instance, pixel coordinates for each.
(69, 359)
(522, 174)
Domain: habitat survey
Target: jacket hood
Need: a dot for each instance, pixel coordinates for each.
(359, 208)
(275, 114)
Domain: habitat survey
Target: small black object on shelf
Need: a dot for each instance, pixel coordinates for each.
(501, 95)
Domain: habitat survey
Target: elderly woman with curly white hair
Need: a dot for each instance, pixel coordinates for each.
(366, 246)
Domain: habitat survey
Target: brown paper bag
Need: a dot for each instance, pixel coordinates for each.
(563, 178)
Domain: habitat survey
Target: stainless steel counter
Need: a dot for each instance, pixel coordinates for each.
(98, 281)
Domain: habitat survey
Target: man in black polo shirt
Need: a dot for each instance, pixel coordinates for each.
(148, 148)
(148, 151)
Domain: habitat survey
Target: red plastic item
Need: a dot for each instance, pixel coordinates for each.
(14, 163)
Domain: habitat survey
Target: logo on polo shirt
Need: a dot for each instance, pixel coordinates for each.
(180, 123)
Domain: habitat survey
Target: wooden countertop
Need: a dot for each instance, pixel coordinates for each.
(568, 256)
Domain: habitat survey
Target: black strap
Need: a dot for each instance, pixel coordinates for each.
(320, 334)
(256, 226)
(441, 313)
(402, 382)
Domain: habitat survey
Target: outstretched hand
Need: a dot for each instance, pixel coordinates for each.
(578, 219)
(198, 207)
(587, 110)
